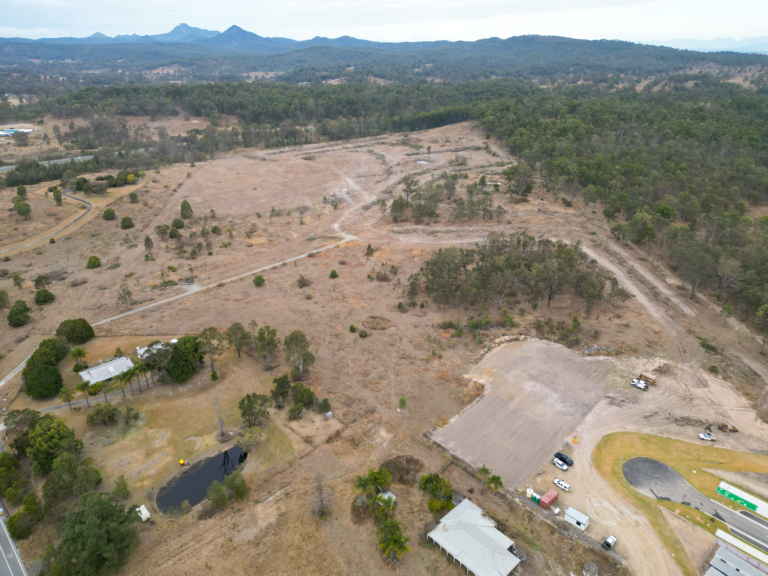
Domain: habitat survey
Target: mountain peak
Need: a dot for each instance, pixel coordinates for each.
(96, 35)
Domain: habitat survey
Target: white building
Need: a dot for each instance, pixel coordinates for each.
(142, 352)
(578, 519)
(106, 371)
(474, 542)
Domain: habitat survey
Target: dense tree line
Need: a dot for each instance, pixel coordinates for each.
(514, 266)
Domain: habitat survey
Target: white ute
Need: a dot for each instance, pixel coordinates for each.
(639, 384)
(707, 436)
(557, 462)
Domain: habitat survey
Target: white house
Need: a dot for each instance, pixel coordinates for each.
(106, 371)
(474, 542)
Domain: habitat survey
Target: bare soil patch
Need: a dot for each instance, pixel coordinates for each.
(540, 392)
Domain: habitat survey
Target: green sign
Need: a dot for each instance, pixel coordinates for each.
(737, 499)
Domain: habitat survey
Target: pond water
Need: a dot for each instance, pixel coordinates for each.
(193, 483)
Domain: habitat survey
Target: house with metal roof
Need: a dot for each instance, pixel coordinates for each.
(474, 542)
(726, 563)
(106, 371)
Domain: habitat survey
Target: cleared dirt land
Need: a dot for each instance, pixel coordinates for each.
(540, 392)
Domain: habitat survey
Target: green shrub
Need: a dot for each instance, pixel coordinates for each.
(258, 281)
(215, 230)
(93, 262)
(214, 375)
(334, 274)
(363, 334)
(20, 526)
(352, 328)
(78, 368)
(303, 282)
(44, 382)
(133, 197)
(77, 331)
(296, 375)
(52, 241)
(18, 315)
(109, 214)
(126, 223)
(177, 223)
(217, 495)
(43, 297)
(104, 414)
(174, 234)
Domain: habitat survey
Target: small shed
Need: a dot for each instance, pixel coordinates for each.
(143, 513)
(386, 495)
(590, 569)
(548, 499)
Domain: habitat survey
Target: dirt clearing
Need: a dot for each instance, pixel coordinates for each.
(540, 393)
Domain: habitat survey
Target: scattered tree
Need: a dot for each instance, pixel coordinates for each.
(213, 343)
(109, 214)
(253, 408)
(18, 315)
(268, 342)
(237, 336)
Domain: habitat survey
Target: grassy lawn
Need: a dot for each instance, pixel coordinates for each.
(687, 459)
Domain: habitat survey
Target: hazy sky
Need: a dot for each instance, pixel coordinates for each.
(395, 20)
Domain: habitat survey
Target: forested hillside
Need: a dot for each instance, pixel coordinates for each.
(523, 57)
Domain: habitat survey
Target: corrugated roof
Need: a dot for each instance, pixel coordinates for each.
(106, 371)
(728, 564)
(474, 541)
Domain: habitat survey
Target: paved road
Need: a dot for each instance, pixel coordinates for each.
(52, 234)
(11, 564)
(59, 161)
(657, 480)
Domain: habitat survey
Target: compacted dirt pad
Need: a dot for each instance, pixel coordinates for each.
(540, 393)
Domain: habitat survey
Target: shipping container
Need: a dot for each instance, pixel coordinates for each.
(548, 499)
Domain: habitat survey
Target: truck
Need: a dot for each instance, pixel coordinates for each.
(548, 499)
(576, 518)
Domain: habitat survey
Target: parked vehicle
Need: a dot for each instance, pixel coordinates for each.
(557, 462)
(708, 437)
(563, 458)
(640, 384)
(564, 486)
(610, 542)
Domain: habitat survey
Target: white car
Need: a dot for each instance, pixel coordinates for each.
(707, 436)
(562, 485)
(560, 464)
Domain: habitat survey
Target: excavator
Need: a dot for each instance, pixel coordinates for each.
(443, 144)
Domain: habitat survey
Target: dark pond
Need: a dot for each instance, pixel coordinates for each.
(193, 483)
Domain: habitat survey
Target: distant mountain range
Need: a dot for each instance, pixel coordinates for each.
(758, 45)
(234, 38)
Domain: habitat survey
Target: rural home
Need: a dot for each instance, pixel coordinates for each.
(474, 542)
(106, 371)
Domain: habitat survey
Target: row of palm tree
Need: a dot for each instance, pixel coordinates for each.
(121, 380)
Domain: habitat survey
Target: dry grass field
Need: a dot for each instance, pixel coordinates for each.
(405, 356)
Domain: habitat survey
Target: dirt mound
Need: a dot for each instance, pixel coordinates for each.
(377, 323)
(404, 469)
